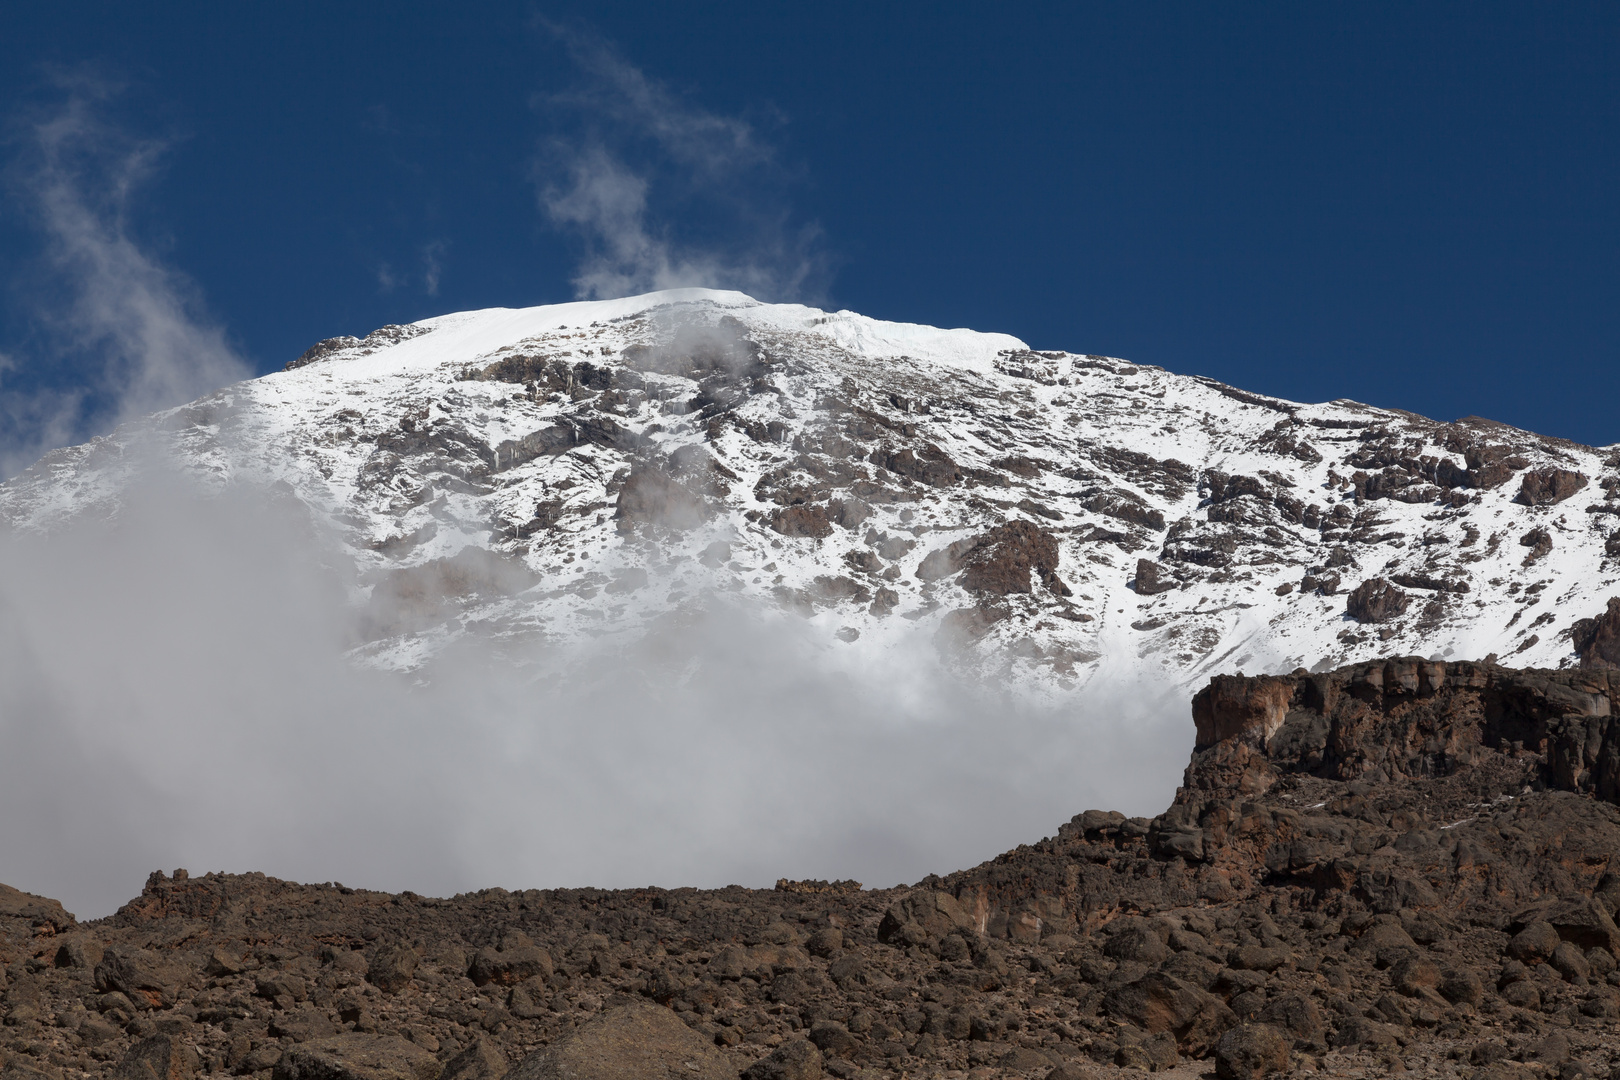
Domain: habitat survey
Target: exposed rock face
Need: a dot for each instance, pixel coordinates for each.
(35, 910)
(1543, 487)
(1003, 560)
(1597, 641)
(1152, 579)
(1407, 861)
(1375, 601)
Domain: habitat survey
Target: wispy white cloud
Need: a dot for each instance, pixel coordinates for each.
(433, 265)
(132, 330)
(643, 159)
(431, 255)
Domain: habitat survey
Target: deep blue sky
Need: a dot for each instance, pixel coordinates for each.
(1411, 205)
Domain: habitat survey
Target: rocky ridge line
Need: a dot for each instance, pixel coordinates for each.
(1406, 865)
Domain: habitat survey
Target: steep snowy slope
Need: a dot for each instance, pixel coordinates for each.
(567, 472)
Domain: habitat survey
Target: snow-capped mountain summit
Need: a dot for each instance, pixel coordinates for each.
(583, 469)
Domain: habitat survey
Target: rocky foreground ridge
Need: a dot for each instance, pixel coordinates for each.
(1397, 866)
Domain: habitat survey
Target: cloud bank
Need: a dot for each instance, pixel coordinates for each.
(173, 692)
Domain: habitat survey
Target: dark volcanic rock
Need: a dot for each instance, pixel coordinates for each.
(35, 910)
(1002, 560)
(795, 1059)
(1151, 578)
(162, 1057)
(1250, 1052)
(357, 1057)
(624, 1041)
(1375, 601)
(482, 1060)
(391, 967)
(999, 562)
(1597, 641)
(1543, 487)
(1162, 1003)
(803, 520)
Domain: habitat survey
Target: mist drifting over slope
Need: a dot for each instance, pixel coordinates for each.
(173, 692)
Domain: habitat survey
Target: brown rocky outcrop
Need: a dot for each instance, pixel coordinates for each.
(35, 910)
(1597, 641)
(1151, 578)
(802, 520)
(1375, 601)
(999, 562)
(1544, 487)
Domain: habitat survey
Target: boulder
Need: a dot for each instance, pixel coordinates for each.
(391, 968)
(1003, 560)
(651, 495)
(924, 915)
(1151, 578)
(1544, 487)
(1363, 1031)
(22, 1068)
(1024, 1059)
(162, 1057)
(1138, 943)
(1597, 641)
(1534, 944)
(1297, 1017)
(1584, 922)
(1071, 1071)
(637, 1039)
(1522, 994)
(1413, 974)
(795, 1059)
(1159, 1002)
(79, 951)
(146, 978)
(833, 1039)
(1376, 601)
(802, 520)
(355, 1056)
(1569, 962)
(1259, 958)
(518, 960)
(281, 984)
(825, 941)
(1462, 986)
(482, 1060)
(1251, 1051)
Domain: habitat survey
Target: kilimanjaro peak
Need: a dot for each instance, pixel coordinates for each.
(1045, 518)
